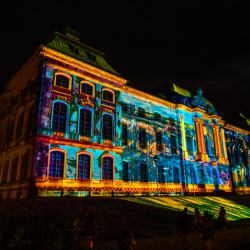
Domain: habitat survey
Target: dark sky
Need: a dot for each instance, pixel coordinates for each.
(194, 44)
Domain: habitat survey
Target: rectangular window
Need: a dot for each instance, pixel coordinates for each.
(124, 134)
(107, 127)
(56, 164)
(173, 144)
(83, 166)
(143, 173)
(159, 141)
(161, 177)
(142, 138)
(62, 81)
(87, 89)
(107, 168)
(141, 112)
(59, 117)
(107, 96)
(85, 122)
(125, 171)
(157, 117)
(124, 107)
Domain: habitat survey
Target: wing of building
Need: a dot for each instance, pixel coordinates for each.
(69, 125)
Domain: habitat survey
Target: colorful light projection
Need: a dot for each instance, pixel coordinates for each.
(210, 204)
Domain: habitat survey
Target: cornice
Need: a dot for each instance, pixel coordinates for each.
(148, 96)
(81, 65)
(234, 128)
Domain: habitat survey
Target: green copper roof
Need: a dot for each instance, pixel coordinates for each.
(181, 91)
(70, 45)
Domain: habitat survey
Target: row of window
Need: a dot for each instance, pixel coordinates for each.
(143, 143)
(7, 137)
(85, 88)
(59, 121)
(14, 166)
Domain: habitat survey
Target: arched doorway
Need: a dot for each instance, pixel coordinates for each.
(215, 180)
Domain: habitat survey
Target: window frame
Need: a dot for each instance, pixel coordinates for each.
(113, 174)
(125, 163)
(141, 146)
(140, 180)
(157, 117)
(67, 115)
(91, 123)
(159, 145)
(64, 165)
(88, 83)
(83, 152)
(65, 75)
(178, 175)
(141, 112)
(174, 151)
(125, 140)
(110, 90)
(113, 127)
(163, 174)
(190, 142)
(195, 179)
(124, 104)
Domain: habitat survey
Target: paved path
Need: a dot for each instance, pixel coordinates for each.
(234, 239)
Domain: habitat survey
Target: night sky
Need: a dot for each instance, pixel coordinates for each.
(194, 44)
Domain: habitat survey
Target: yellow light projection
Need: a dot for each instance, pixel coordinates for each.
(210, 204)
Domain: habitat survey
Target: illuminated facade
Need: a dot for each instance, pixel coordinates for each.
(73, 127)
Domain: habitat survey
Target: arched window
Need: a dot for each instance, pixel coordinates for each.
(143, 173)
(85, 122)
(107, 127)
(189, 141)
(25, 165)
(59, 116)
(19, 129)
(30, 118)
(192, 176)
(62, 81)
(56, 164)
(107, 168)
(87, 89)
(161, 175)
(108, 96)
(83, 166)
(201, 176)
(125, 171)
(14, 169)
(176, 175)
(5, 172)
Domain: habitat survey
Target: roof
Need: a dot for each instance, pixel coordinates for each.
(181, 91)
(70, 45)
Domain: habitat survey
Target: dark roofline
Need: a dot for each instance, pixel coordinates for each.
(79, 43)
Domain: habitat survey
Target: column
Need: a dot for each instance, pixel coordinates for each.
(185, 153)
(217, 143)
(201, 154)
(224, 146)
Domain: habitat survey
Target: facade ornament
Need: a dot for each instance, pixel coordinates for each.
(86, 101)
(61, 98)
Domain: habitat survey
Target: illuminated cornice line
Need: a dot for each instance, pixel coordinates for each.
(78, 144)
(81, 65)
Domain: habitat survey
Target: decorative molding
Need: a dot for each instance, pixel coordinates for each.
(86, 101)
(66, 59)
(108, 110)
(61, 98)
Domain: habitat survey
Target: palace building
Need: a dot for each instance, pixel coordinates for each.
(70, 126)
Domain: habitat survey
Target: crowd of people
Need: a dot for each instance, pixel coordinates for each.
(203, 225)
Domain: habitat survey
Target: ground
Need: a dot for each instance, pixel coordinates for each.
(152, 224)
